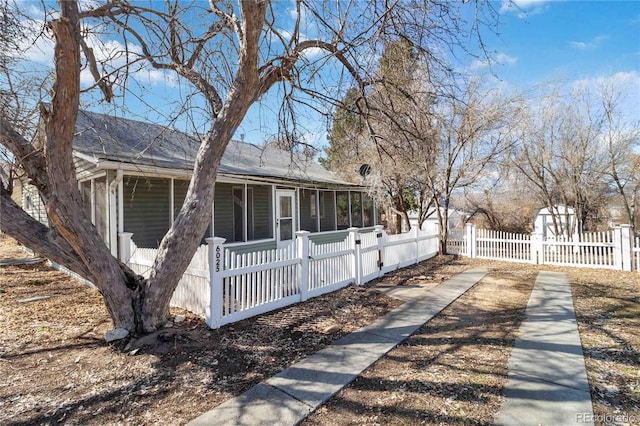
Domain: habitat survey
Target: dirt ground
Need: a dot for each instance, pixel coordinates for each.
(56, 369)
(608, 311)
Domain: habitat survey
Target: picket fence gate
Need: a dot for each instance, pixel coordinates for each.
(612, 249)
(225, 286)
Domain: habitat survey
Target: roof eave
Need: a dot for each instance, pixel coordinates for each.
(102, 164)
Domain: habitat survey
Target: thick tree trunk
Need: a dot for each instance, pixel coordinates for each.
(119, 286)
(444, 235)
(443, 221)
(181, 241)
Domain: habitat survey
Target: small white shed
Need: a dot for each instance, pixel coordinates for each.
(456, 219)
(543, 222)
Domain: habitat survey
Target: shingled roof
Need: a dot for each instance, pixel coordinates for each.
(101, 137)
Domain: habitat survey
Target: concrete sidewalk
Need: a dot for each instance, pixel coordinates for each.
(292, 394)
(547, 380)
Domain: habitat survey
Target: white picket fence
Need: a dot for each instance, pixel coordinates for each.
(226, 286)
(612, 249)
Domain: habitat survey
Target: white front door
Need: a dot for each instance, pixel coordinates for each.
(285, 217)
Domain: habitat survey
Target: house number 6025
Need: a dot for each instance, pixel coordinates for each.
(218, 259)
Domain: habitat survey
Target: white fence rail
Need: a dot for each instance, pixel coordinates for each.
(589, 250)
(612, 249)
(503, 246)
(225, 286)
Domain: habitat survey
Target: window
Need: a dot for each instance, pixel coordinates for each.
(248, 216)
(94, 202)
(260, 219)
(356, 209)
(327, 210)
(238, 214)
(367, 210)
(309, 210)
(147, 211)
(342, 209)
(313, 206)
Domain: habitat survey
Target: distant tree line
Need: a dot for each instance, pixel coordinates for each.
(437, 141)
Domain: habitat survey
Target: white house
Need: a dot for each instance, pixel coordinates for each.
(133, 177)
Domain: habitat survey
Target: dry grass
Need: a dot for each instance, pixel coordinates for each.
(55, 368)
(608, 310)
(451, 371)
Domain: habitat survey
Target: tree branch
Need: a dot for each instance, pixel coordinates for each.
(39, 238)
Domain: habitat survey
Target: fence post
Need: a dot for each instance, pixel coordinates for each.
(124, 246)
(380, 234)
(470, 240)
(354, 243)
(625, 247)
(537, 249)
(302, 247)
(617, 247)
(416, 235)
(216, 293)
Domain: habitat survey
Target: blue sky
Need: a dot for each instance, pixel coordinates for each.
(540, 41)
(543, 42)
(567, 41)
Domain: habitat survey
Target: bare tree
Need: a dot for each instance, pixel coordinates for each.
(504, 205)
(389, 129)
(622, 140)
(561, 154)
(231, 55)
(473, 135)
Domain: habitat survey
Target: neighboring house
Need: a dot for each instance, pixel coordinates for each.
(543, 222)
(133, 177)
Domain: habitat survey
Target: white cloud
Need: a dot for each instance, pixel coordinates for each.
(314, 53)
(39, 48)
(498, 59)
(523, 8)
(504, 59)
(591, 44)
(623, 80)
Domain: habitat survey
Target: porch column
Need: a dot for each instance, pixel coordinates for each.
(111, 222)
(119, 176)
(124, 246)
